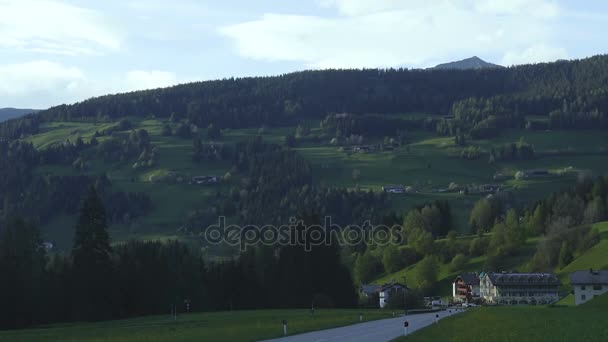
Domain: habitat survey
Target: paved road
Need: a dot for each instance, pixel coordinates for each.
(374, 331)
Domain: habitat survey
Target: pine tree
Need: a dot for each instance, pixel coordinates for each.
(92, 264)
(22, 261)
(565, 255)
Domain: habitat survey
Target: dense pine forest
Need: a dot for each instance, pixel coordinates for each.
(573, 93)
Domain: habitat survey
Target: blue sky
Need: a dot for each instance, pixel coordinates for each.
(63, 51)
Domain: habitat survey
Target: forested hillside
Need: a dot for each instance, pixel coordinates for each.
(494, 97)
(471, 169)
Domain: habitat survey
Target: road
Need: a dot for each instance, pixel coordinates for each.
(374, 331)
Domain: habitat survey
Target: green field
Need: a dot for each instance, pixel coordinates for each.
(217, 326)
(428, 163)
(587, 322)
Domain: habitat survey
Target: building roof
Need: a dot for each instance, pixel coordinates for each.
(523, 279)
(589, 277)
(370, 288)
(469, 278)
(385, 287)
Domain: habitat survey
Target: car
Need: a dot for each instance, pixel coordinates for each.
(470, 305)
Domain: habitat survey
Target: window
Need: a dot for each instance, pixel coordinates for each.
(583, 297)
(597, 287)
(583, 287)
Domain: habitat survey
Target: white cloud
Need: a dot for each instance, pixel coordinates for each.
(538, 8)
(358, 7)
(141, 79)
(534, 54)
(41, 76)
(381, 33)
(40, 83)
(53, 27)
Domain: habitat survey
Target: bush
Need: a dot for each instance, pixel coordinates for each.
(166, 131)
(427, 272)
(408, 300)
(458, 263)
(478, 246)
(390, 259)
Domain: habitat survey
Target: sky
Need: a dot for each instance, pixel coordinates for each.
(63, 51)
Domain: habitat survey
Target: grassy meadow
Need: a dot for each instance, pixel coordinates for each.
(587, 322)
(212, 326)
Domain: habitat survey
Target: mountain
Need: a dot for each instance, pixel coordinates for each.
(468, 63)
(9, 113)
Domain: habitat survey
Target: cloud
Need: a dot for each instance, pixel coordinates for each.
(47, 26)
(383, 33)
(39, 83)
(38, 77)
(141, 79)
(537, 8)
(535, 54)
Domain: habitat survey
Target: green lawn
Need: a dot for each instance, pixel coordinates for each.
(217, 326)
(588, 322)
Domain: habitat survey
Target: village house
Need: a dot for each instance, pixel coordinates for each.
(370, 293)
(206, 180)
(386, 291)
(588, 284)
(394, 189)
(465, 288)
(536, 173)
(509, 288)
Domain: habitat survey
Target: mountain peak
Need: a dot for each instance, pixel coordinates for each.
(468, 63)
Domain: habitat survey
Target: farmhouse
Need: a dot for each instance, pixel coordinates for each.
(519, 288)
(588, 284)
(394, 189)
(388, 290)
(206, 179)
(370, 292)
(465, 288)
(536, 173)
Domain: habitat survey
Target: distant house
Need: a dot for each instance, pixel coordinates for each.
(588, 284)
(371, 293)
(536, 173)
(48, 246)
(388, 290)
(361, 149)
(206, 180)
(394, 189)
(465, 288)
(519, 288)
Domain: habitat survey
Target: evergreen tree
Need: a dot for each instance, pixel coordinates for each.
(92, 265)
(565, 255)
(22, 261)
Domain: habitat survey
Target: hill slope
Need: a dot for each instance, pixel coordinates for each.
(10, 113)
(468, 63)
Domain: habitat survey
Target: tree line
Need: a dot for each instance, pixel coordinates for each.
(101, 281)
(482, 101)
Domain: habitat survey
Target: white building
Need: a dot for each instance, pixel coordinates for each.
(465, 288)
(388, 290)
(588, 284)
(519, 288)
